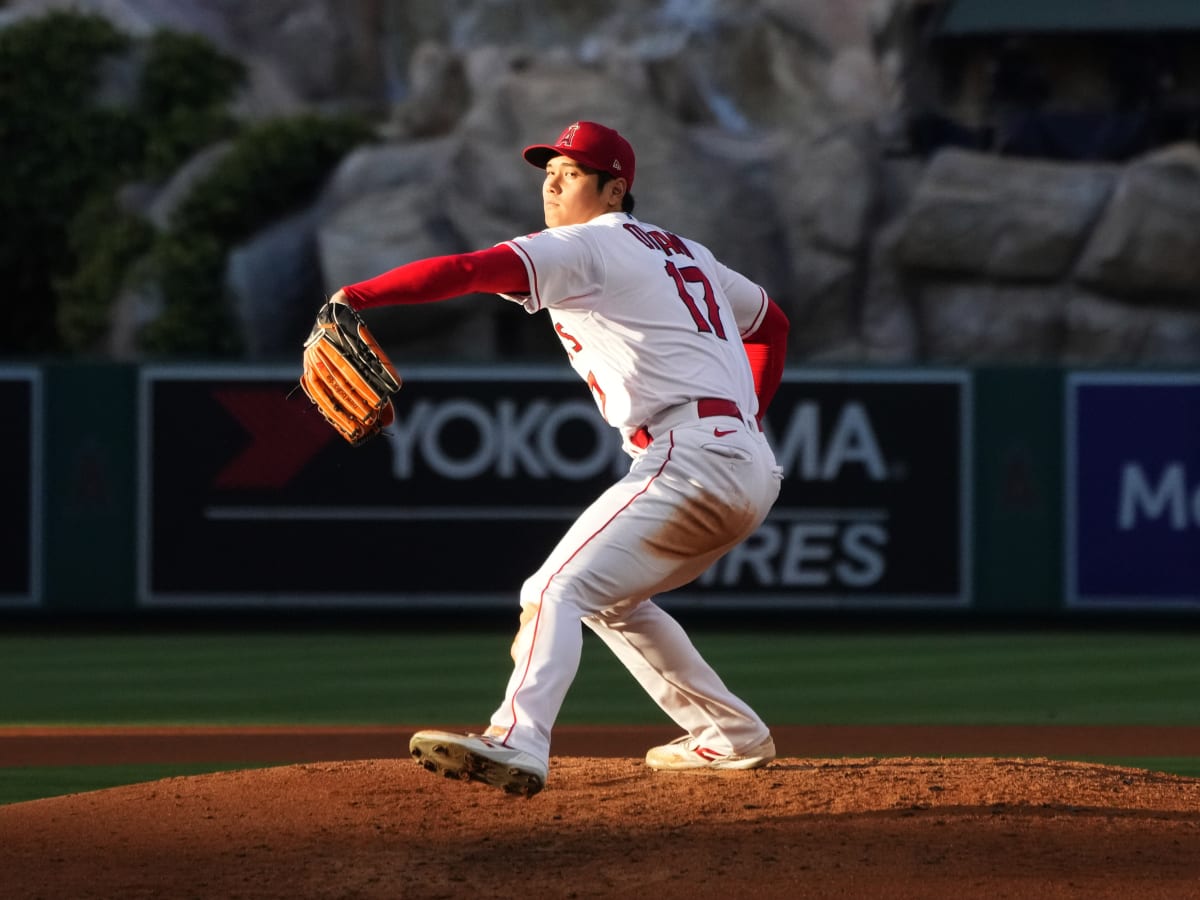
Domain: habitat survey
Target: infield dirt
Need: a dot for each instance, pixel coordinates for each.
(606, 826)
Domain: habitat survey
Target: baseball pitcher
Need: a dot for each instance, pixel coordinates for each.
(682, 355)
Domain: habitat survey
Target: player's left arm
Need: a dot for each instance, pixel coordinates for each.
(764, 330)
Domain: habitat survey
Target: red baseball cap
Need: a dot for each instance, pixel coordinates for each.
(594, 145)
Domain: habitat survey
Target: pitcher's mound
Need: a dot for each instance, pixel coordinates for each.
(894, 828)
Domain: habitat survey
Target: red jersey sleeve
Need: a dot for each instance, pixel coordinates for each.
(497, 270)
(766, 348)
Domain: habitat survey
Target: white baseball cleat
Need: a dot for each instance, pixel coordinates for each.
(688, 753)
(476, 757)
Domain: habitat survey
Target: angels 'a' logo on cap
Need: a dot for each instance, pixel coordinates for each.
(616, 164)
(567, 138)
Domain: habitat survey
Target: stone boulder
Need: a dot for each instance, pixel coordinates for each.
(400, 218)
(1147, 245)
(1002, 218)
(966, 322)
(275, 286)
(1101, 329)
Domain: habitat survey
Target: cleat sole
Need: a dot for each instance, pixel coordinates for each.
(453, 761)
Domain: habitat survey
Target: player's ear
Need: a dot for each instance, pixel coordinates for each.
(616, 191)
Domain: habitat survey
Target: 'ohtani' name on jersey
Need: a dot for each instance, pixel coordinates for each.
(668, 243)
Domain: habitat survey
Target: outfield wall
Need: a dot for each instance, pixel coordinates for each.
(197, 487)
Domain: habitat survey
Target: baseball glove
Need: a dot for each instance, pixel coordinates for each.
(347, 375)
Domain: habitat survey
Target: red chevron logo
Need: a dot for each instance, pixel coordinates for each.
(284, 435)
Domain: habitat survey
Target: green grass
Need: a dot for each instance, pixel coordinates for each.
(1075, 678)
(396, 676)
(422, 677)
(247, 678)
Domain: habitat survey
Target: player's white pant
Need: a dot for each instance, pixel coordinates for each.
(698, 491)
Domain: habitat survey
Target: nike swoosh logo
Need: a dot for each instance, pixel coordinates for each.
(721, 432)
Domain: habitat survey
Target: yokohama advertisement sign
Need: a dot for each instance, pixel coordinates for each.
(245, 488)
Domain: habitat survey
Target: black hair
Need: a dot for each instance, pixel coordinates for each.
(603, 178)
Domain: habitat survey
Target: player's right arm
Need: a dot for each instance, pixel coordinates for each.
(496, 270)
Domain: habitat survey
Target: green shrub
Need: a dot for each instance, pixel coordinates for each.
(107, 241)
(195, 319)
(183, 97)
(56, 150)
(68, 247)
(272, 170)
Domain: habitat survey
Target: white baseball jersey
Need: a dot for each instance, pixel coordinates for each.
(616, 287)
(651, 322)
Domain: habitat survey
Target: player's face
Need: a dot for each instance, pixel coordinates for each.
(569, 194)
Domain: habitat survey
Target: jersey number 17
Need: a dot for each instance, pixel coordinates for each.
(689, 275)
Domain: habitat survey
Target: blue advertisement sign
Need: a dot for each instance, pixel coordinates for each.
(1133, 490)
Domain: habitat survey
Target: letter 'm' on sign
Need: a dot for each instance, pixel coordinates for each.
(1142, 501)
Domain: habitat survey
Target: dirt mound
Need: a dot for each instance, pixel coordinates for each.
(609, 827)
